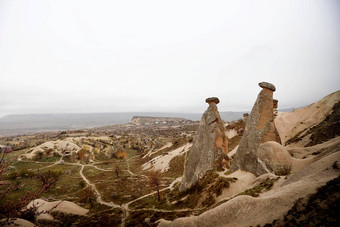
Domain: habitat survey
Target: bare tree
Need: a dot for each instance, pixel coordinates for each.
(117, 170)
(10, 210)
(49, 178)
(154, 179)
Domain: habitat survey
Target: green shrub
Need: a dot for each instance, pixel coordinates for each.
(282, 170)
(211, 184)
(228, 172)
(26, 173)
(255, 191)
(13, 175)
(82, 184)
(220, 184)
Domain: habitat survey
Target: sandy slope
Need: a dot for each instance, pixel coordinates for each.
(244, 181)
(233, 152)
(152, 151)
(162, 162)
(289, 124)
(231, 133)
(246, 210)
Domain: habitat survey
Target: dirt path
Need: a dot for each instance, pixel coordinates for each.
(129, 171)
(98, 195)
(56, 163)
(125, 207)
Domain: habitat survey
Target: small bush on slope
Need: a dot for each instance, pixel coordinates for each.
(206, 189)
(255, 191)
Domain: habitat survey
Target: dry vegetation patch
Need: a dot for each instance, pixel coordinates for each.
(119, 190)
(150, 217)
(266, 185)
(176, 167)
(203, 194)
(237, 126)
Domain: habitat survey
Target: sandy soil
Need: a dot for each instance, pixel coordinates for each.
(231, 153)
(161, 162)
(244, 181)
(231, 133)
(151, 152)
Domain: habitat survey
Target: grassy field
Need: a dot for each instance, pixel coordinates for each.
(126, 184)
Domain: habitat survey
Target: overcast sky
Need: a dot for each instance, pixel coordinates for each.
(164, 56)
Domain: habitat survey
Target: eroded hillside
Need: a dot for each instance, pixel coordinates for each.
(130, 175)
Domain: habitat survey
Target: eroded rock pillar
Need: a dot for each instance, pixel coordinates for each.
(210, 147)
(259, 128)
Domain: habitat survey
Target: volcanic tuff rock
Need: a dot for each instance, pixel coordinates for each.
(210, 147)
(259, 129)
(267, 86)
(311, 125)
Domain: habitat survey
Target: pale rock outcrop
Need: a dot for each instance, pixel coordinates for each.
(50, 148)
(210, 147)
(162, 162)
(274, 157)
(18, 222)
(66, 207)
(259, 129)
(297, 123)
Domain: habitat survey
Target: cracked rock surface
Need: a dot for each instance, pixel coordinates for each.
(259, 129)
(209, 150)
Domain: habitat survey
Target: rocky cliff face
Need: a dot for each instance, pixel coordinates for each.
(259, 129)
(209, 150)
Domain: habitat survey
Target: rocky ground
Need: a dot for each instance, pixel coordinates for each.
(105, 173)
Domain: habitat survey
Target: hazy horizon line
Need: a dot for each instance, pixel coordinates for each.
(112, 112)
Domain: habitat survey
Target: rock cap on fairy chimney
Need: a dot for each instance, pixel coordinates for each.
(212, 100)
(267, 85)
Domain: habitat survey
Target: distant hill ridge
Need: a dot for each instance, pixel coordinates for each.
(33, 123)
(145, 120)
(158, 118)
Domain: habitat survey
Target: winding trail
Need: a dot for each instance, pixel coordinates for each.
(96, 167)
(98, 195)
(129, 171)
(56, 163)
(124, 207)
